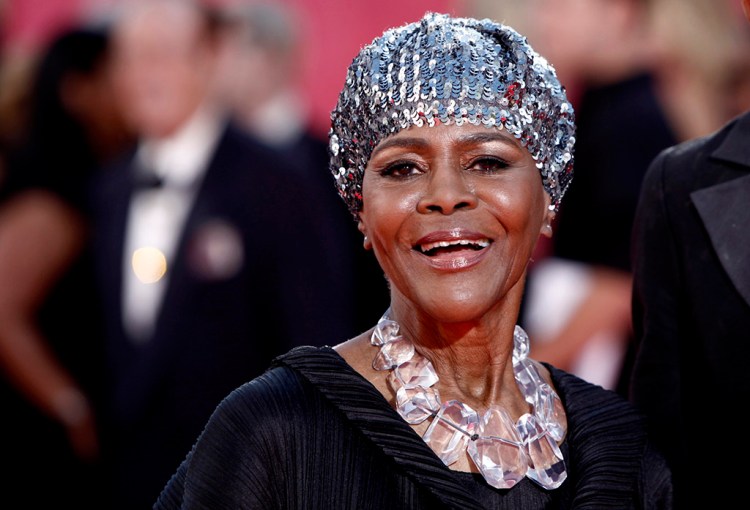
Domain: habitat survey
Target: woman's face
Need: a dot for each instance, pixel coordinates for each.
(453, 214)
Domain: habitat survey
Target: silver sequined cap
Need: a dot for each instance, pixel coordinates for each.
(451, 70)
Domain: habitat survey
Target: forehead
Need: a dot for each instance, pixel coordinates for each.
(143, 28)
(452, 133)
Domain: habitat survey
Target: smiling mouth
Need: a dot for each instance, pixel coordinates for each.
(433, 249)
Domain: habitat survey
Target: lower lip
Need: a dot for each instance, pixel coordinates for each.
(456, 261)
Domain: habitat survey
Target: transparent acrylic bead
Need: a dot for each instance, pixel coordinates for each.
(449, 431)
(528, 379)
(418, 371)
(498, 452)
(520, 344)
(415, 405)
(550, 412)
(546, 465)
(384, 331)
(393, 353)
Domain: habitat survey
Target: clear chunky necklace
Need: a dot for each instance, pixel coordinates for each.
(503, 451)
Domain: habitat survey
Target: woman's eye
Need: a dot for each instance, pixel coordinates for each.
(400, 169)
(488, 165)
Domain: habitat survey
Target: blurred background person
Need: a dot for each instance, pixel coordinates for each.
(262, 61)
(49, 328)
(702, 51)
(206, 242)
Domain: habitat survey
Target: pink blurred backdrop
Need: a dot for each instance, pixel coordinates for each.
(334, 30)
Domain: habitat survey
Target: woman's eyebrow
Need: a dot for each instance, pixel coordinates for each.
(489, 136)
(400, 142)
(471, 138)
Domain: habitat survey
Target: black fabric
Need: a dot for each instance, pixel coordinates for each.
(366, 286)
(312, 433)
(691, 307)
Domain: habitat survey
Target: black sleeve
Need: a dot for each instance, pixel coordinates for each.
(655, 385)
(247, 451)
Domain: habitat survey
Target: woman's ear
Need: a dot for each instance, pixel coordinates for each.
(549, 218)
(366, 242)
(546, 230)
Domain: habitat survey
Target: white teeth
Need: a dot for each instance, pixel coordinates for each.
(482, 243)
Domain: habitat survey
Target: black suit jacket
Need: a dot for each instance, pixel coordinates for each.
(214, 331)
(691, 308)
(368, 288)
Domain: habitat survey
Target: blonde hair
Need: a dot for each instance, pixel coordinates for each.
(703, 45)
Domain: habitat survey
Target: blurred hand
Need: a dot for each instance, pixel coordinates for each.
(84, 439)
(75, 414)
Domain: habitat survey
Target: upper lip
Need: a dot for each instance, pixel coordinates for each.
(453, 237)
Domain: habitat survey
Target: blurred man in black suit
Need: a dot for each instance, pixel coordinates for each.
(209, 249)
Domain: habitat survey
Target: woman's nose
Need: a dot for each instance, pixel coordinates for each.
(447, 191)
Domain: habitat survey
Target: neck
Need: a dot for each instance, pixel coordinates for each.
(471, 357)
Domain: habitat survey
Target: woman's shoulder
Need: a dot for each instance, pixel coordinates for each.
(281, 402)
(278, 415)
(299, 376)
(284, 378)
(303, 394)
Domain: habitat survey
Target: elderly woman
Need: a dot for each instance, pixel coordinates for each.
(452, 145)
